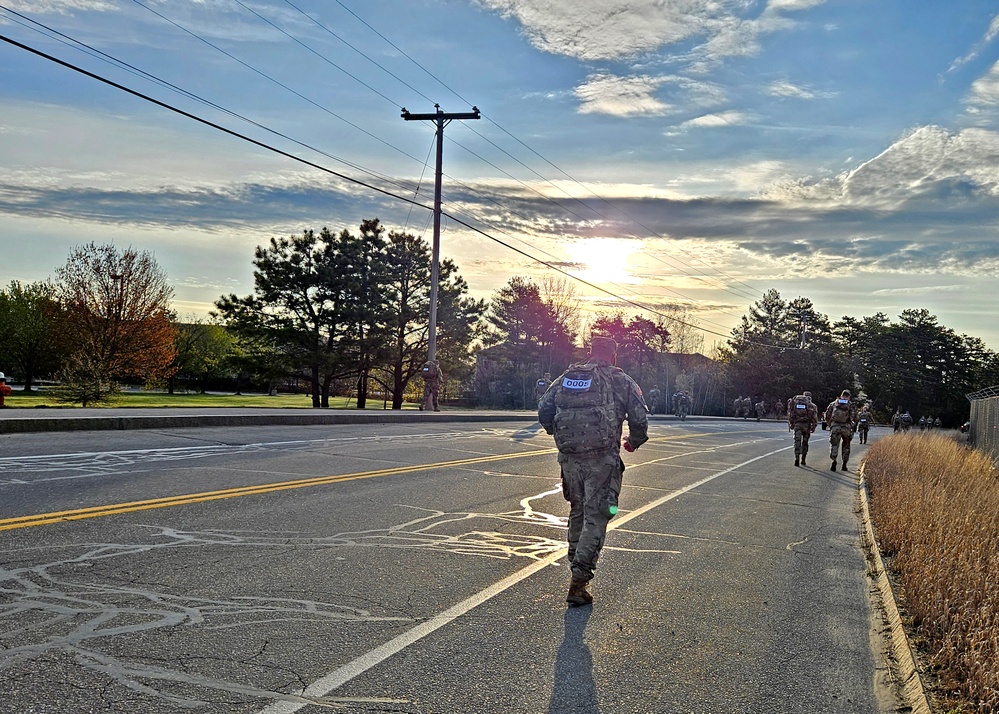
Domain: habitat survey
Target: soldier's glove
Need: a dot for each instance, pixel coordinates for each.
(627, 445)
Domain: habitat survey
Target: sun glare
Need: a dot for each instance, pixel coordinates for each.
(603, 260)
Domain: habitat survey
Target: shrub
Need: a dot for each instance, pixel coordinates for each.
(935, 509)
(84, 380)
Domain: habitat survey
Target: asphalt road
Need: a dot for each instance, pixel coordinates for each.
(420, 568)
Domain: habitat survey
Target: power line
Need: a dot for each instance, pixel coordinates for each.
(355, 181)
(98, 54)
(284, 86)
(275, 81)
(753, 292)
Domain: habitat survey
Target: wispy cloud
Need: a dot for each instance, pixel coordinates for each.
(784, 88)
(621, 96)
(607, 29)
(985, 90)
(990, 35)
(729, 118)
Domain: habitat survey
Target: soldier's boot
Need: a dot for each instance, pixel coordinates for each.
(796, 459)
(844, 466)
(803, 460)
(578, 594)
(833, 467)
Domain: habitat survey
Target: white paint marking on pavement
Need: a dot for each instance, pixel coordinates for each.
(337, 678)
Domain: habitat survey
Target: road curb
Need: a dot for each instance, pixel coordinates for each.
(166, 421)
(902, 665)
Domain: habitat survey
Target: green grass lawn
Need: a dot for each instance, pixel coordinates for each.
(162, 399)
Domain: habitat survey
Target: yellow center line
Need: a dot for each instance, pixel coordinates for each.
(78, 514)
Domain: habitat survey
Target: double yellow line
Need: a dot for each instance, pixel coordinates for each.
(79, 514)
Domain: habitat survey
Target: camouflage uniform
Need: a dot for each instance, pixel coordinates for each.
(802, 422)
(841, 416)
(864, 422)
(541, 386)
(591, 480)
(654, 399)
(433, 378)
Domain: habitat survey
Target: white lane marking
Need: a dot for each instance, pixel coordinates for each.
(338, 677)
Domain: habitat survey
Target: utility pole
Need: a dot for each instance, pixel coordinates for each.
(441, 119)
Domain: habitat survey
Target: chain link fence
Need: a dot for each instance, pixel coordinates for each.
(983, 428)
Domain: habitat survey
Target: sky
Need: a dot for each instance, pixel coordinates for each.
(669, 152)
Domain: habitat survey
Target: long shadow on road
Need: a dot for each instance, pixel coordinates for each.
(574, 691)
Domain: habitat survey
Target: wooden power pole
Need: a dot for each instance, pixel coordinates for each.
(441, 119)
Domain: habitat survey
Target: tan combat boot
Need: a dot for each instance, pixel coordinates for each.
(578, 594)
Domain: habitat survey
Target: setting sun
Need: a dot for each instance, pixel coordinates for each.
(603, 260)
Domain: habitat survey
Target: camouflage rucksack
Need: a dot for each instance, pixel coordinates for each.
(586, 414)
(799, 409)
(841, 411)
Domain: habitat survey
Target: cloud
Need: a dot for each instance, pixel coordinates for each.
(252, 206)
(621, 96)
(985, 89)
(921, 290)
(990, 35)
(792, 5)
(608, 29)
(59, 7)
(729, 118)
(928, 168)
(784, 88)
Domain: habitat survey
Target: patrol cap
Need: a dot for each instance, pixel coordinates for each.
(806, 394)
(603, 347)
(845, 394)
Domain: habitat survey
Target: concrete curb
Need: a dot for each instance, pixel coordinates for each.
(904, 673)
(305, 418)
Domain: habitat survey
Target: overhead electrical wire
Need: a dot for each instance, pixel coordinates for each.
(277, 82)
(754, 291)
(667, 289)
(284, 86)
(98, 54)
(352, 180)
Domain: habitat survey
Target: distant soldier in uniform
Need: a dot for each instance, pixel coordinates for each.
(864, 423)
(541, 386)
(433, 378)
(906, 421)
(922, 423)
(802, 418)
(841, 416)
(681, 404)
(585, 409)
(896, 421)
(655, 397)
(937, 423)
(761, 410)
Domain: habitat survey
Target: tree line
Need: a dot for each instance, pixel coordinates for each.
(346, 313)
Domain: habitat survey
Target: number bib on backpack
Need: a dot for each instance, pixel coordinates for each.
(586, 413)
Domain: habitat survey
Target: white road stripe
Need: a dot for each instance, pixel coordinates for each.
(339, 677)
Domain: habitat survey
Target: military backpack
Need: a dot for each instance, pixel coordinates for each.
(799, 409)
(841, 411)
(586, 410)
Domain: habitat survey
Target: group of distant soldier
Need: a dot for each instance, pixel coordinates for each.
(842, 418)
(902, 421)
(745, 407)
(659, 403)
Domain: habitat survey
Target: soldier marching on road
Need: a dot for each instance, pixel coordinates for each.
(584, 409)
(841, 416)
(802, 418)
(864, 422)
(433, 379)
(541, 386)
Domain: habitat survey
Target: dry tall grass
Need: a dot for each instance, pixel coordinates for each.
(935, 509)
